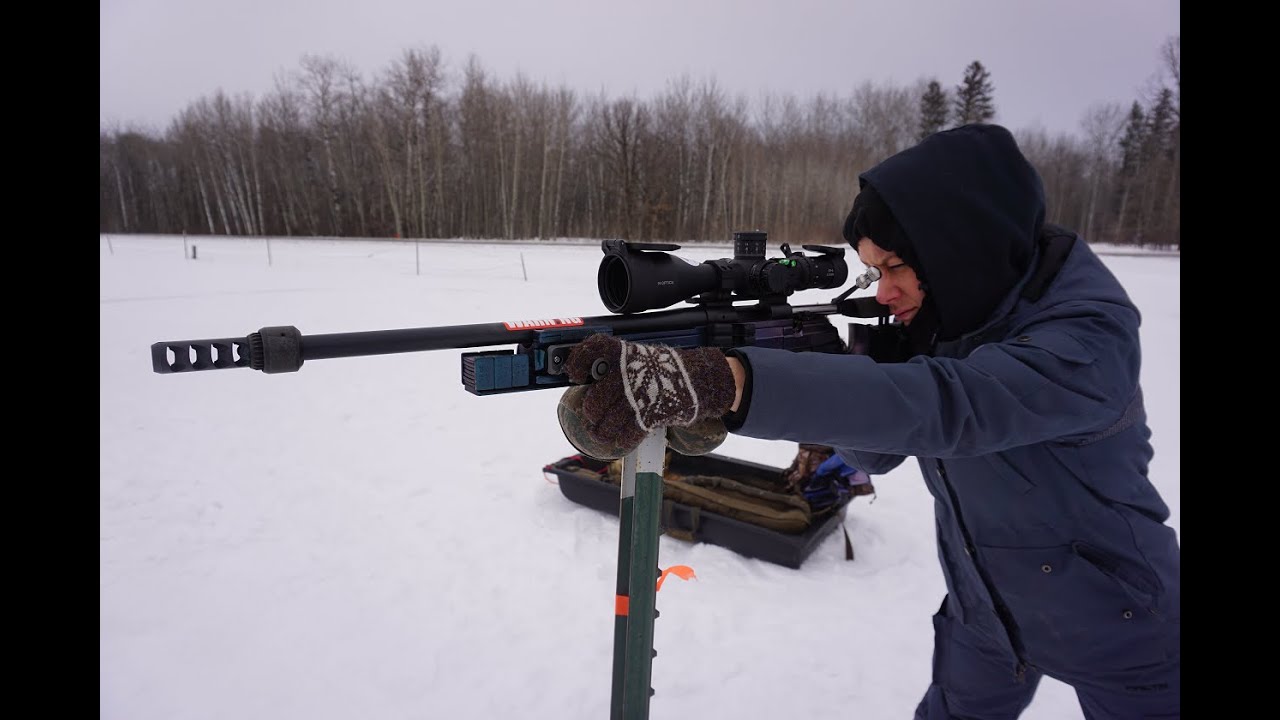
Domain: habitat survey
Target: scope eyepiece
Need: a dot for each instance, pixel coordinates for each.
(863, 281)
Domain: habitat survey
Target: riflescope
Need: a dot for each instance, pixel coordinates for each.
(634, 277)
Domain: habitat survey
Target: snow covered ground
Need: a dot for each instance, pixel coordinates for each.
(365, 539)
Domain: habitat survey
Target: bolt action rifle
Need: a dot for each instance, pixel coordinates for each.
(634, 279)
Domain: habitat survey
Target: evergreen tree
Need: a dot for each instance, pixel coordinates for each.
(1131, 148)
(1131, 145)
(933, 110)
(973, 96)
(1160, 124)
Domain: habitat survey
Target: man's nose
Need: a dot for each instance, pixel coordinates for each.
(885, 291)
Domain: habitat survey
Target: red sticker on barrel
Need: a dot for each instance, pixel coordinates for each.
(544, 324)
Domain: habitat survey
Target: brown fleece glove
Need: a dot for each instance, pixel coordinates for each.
(647, 387)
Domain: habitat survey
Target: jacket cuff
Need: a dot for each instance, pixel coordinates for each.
(734, 420)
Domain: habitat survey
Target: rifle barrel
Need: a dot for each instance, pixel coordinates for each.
(185, 355)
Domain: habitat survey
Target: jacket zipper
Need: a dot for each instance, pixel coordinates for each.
(1020, 671)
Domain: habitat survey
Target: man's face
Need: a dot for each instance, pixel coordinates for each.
(898, 286)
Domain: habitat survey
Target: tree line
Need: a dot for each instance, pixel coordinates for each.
(417, 152)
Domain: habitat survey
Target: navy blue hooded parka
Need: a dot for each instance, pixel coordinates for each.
(1026, 418)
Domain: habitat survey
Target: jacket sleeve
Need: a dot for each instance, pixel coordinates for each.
(871, 463)
(1050, 380)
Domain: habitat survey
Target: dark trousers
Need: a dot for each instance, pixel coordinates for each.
(973, 679)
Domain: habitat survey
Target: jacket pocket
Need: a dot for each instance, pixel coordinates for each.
(1074, 616)
(1134, 583)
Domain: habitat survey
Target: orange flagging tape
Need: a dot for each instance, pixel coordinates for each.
(683, 571)
(621, 605)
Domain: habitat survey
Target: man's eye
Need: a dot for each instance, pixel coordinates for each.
(894, 267)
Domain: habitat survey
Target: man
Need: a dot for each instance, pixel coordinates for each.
(1017, 393)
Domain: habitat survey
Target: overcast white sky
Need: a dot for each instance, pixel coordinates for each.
(1049, 61)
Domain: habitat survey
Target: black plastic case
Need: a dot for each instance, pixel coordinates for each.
(582, 480)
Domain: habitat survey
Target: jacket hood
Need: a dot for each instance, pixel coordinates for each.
(971, 207)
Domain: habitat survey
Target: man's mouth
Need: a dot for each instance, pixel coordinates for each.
(906, 315)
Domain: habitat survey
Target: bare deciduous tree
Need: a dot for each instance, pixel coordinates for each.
(419, 152)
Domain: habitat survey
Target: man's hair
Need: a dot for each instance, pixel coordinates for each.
(871, 218)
